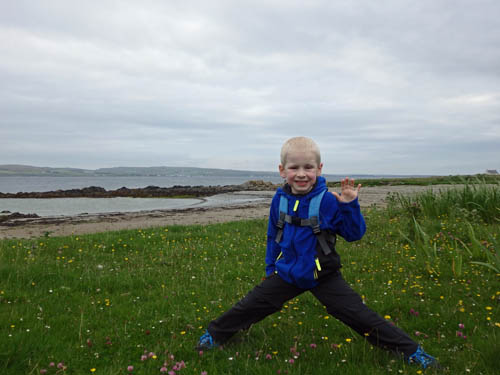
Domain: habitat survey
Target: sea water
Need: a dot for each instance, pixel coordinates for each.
(15, 184)
(75, 206)
(78, 206)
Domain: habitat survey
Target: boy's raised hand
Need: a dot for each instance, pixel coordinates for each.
(348, 192)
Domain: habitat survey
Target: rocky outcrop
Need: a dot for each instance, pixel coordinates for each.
(147, 192)
(6, 215)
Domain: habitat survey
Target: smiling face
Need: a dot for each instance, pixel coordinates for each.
(300, 170)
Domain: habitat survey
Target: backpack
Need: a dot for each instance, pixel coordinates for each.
(312, 221)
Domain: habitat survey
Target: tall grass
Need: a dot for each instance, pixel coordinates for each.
(471, 201)
(470, 204)
(101, 303)
(426, 181)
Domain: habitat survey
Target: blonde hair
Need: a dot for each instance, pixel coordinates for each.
(302, 143)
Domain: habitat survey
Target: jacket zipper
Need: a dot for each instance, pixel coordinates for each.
(290, 273)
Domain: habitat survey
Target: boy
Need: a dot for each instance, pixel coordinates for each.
(301, 257)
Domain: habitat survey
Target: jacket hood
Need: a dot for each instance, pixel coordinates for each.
(318, 187)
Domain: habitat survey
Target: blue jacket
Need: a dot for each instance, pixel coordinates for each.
(294, 257)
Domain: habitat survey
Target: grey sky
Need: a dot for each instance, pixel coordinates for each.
(404, 87)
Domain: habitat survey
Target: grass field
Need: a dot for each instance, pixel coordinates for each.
(137, 301)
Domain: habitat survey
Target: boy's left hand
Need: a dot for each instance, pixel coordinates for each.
(348, 192)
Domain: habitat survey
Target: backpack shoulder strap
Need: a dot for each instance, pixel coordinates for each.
(314, 206)
(283, 204)
(283, 211)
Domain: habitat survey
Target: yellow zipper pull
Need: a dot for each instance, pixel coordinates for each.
(317, 264)
(296, 205)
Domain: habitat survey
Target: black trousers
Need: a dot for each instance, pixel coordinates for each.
(341, 301)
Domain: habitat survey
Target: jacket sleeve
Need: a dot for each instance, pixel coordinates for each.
(344, 218)
(272, 249)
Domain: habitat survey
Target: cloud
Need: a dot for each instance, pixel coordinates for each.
(392, 87)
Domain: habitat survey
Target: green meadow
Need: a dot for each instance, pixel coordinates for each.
(136, 302)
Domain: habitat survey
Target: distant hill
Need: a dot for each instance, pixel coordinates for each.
(28, 170)
(176, 171)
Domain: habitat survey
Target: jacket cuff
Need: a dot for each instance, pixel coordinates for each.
(270, 271)
(353, 204)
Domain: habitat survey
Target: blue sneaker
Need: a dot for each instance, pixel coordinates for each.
(206, 342)
(423, 359)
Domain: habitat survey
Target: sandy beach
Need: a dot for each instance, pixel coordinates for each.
(82, 224)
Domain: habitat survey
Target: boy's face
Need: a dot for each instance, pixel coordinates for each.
(300, 170)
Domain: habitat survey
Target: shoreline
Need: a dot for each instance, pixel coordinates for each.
(95, 223)
(87, 224)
